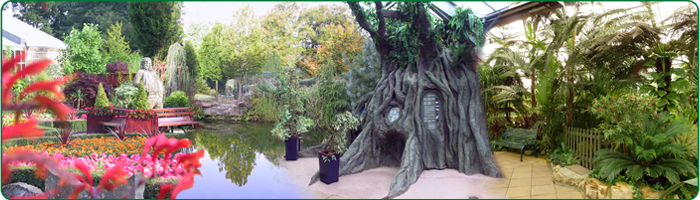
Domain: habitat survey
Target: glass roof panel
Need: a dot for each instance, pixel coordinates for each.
(480, 8)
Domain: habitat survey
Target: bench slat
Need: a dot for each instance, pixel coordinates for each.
(173, 114)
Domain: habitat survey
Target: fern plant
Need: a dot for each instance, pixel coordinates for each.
(649, 154)
(563, 156)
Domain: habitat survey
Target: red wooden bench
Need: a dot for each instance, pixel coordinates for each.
(168, 118)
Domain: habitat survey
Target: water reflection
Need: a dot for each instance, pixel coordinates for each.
(242, 161)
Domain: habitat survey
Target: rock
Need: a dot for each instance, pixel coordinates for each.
(152, 82)
(118, 193)
(19, 190)
(568, 177)
(621, 190)
(650, 193)
(595, 189)
(207, 104)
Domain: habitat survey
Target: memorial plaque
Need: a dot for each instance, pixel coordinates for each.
(431, 110)
(392, 115)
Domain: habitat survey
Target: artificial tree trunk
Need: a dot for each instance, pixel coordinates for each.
(460, 140)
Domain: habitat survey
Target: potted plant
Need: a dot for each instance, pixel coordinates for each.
(329, 158)
(102, 112)
(141, 119)
(292, 122)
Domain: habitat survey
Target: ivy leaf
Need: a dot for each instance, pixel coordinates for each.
(661, 93)
(663, 102)
(655, 75)
(678, 71)
(646, 89)
(681, 84)
(661, 83)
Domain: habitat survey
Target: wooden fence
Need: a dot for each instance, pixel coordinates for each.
(585, 143)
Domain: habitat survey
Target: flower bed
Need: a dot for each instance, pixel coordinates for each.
(86, 146)
(165, 169)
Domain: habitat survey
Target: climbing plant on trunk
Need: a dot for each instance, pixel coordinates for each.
(424, 60)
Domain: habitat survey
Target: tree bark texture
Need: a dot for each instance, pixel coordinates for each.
(460, 140)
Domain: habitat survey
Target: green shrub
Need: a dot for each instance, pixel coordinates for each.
(124, 95)
(176, 99)
(141, 101)
(153, 188)
(101, 101)
(563, 156)
(27, 175)
(649, 154)
(329, 98)
(264, 107)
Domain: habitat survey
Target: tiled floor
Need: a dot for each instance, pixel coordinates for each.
(529, 179)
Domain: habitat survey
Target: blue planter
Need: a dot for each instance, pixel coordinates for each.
(328, 170)
(292, 146)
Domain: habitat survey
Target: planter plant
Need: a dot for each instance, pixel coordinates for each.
(292, 122)
(328, 159)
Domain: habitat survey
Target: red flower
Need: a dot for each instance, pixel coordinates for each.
(599, 109)
(25, 129)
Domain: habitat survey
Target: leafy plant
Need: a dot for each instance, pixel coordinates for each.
(88, 84)
(141, 114)
(78, 96)
(648, 153)
(332, 97)
(563, 156)
(124, 95)
(83, 52)
(176, 99)
(292, 122)
(336, 137)
(101, 101)
(118, 67)
(671, 96)
(623, 114)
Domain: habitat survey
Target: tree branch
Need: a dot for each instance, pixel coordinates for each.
(360, 17)
(394, 14)
(382, 22)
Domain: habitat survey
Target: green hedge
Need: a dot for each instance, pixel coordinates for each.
(39, 140)
(77, 125)
(26, 174)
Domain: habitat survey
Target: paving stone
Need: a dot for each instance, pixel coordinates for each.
(543, 189)
(517, 182)
(545, 196)
(519, 191)
(578, 169)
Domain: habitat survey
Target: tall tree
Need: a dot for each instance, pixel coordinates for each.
(329, 33)
(196, 32)
(83, 51)
(208, 54)
(282, 25)
(421, 71)
(58, 18)
(114, 47)
(242, 49)
(156, 26)
(191, 60)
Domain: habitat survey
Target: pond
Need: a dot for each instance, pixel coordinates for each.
(242, 161)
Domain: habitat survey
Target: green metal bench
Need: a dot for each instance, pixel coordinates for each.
(518, 139)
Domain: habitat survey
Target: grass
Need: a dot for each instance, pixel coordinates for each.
(204, 97)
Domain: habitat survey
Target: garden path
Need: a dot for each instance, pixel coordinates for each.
(530, 179)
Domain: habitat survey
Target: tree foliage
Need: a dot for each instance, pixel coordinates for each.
(363, 73)
(156, 26)
(281, 26)
(83, 52)
(141, 101)
(101, 101)
(329, 32)
(114, 47)
(191, 59)
(208, 59)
